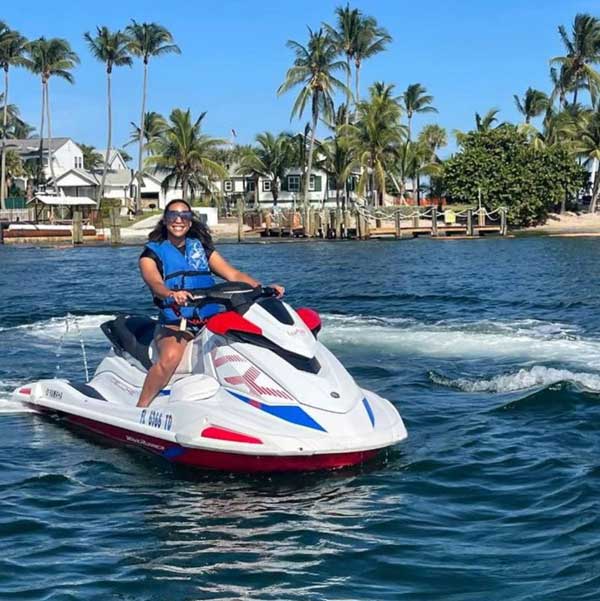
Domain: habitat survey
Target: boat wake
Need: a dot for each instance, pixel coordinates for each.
(55, 327)
(535, 377)
(7, 405)
(528, 340)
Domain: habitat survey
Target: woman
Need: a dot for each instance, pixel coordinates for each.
(180, 256)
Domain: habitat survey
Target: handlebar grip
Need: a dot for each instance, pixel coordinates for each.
(269, 291)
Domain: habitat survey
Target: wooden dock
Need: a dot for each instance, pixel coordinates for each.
(364, 224)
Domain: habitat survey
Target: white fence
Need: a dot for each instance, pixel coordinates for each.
(16, 215)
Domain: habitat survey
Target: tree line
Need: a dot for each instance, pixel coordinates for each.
(370, 140)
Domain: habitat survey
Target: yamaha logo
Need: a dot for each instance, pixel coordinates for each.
(335, 395)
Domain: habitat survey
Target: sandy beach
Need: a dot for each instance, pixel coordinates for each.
(568, 225)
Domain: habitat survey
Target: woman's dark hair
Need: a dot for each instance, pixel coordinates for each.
(197, 229)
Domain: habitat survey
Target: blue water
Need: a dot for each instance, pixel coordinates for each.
(490, 349)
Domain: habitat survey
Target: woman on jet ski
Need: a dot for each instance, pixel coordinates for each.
(180, 256)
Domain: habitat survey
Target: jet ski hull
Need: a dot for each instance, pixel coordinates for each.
(207, 459)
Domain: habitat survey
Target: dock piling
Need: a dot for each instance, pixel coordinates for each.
(77, 232)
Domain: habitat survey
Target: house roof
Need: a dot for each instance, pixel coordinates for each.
(33, 144)
(83, 173)
(65, 201)
(113, 155)
(121, 177)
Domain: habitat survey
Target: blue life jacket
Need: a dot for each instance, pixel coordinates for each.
(181, 272)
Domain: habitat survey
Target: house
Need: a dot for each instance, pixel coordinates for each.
(66, 154)
(257, 190)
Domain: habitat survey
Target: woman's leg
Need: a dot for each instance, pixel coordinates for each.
(171, 345)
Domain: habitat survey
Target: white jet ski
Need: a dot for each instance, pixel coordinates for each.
(255, 392)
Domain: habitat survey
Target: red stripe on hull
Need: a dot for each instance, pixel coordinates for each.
(215, 460)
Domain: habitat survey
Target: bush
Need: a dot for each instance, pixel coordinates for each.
(511, 173)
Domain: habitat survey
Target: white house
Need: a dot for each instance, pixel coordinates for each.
(257, 190)
(66, 154)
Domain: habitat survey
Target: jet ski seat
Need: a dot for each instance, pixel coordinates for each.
(131, 335)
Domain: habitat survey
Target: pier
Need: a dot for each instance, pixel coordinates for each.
(362, 223)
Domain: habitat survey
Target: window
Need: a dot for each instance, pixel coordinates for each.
(228, 186)
(294, 183)
(250, 185)
(267, 185)
(78, 162)
(311, 184)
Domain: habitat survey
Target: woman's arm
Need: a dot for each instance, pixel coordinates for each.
(154, 281)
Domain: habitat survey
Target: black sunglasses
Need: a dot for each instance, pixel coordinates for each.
(171, 216)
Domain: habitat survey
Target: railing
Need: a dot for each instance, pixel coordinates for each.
(15, 215)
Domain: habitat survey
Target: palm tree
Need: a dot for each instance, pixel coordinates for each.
(147, 40)
(47, 58)
(91, 158)
(370, 40)
(112, 49)
(583, 50)
(375, 139)
(184, 152)
(154, 126)
(430, 140)
(433, 137)
(313, 69)
(561, 86)
(345, 38)
(588, 147)
(416, 100)
(485, 123)
(336, 155)
(271, 158)
(534, 103)
(12, 51)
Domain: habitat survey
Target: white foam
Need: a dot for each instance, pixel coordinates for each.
(523, 340)
(56, 327)
(537, 376)
(8, 406)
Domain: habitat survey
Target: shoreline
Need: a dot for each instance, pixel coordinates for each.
(569, 225)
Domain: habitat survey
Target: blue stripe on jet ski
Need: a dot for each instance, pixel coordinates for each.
(369, 411)
(164, 392)
(288, 413)
(172, 452)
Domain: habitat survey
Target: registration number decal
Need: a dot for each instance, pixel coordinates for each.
(156, 419)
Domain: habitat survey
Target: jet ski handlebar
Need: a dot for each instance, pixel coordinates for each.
(235, 296)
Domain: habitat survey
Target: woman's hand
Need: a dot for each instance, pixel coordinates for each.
(279, 288)
(180, 297)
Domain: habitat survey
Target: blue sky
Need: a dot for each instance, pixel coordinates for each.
(471, 55)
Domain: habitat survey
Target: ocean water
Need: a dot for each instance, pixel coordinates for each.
(490, 350)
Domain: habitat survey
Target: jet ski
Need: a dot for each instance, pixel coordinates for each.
(256, 391)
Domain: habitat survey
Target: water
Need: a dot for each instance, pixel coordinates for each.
(490, 349)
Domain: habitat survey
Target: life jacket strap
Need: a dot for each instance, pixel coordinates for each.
(177, 274)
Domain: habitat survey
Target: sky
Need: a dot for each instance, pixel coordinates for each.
(471, 55)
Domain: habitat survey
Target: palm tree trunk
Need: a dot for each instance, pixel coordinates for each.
(138, 196)
(575, 97)
(315, 118)
(348, 75)
(109, 140)
(184, 184)
(596, 190)
(3, 159)
(275, 190)
(357, 82)
(40, 174)
(50, 161)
